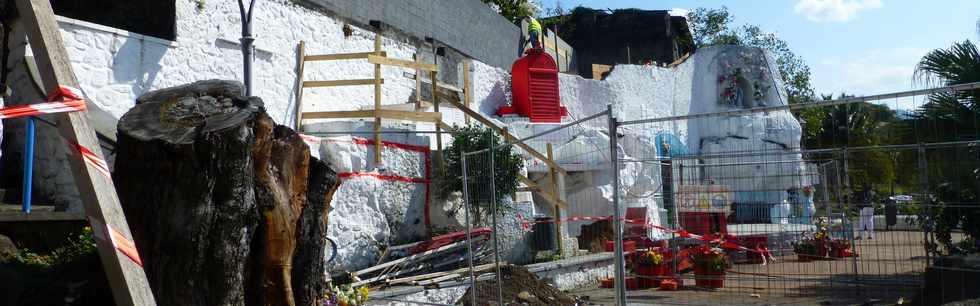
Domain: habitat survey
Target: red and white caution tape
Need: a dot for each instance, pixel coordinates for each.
(93, 159)
(64, 99)
(117, 239)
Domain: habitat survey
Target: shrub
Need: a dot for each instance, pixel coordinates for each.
(503, 175)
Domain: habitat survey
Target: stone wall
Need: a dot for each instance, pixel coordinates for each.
(469, 26)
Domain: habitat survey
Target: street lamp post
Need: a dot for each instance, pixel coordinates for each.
(247, 41)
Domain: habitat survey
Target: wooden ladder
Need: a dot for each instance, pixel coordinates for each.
(125, 274)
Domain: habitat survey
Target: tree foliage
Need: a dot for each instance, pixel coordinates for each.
(951, 117)
(481, 175)
(515, 10)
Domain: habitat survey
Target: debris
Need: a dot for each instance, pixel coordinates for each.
(427, 263)
(517, 280)
(755, 295)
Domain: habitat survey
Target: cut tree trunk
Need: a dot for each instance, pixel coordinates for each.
(222, 201)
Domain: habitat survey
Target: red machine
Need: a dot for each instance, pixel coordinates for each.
(534, 85)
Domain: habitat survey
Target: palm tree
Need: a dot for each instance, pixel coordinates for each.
(952, 117)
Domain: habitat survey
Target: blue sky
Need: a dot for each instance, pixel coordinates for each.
(855, 46)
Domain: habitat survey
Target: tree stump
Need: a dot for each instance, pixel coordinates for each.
(226, 207)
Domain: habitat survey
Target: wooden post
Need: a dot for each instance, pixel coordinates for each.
(553, 176)
(299, 88)
(418, 83)
(377, 102)
(435, 107)
(467, 89)
(126, 277)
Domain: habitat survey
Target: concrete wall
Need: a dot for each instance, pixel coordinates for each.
(469, 26)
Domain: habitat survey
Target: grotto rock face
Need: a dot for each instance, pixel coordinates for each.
(226, 207)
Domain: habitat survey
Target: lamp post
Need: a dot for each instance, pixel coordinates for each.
(247, 41)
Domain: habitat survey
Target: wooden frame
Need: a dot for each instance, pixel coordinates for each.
(378, 57)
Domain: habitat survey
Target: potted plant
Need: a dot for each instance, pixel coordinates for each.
(650, 267)
(709, 266)
(806, 250)
(839, 248)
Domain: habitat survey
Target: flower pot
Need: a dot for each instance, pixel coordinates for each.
(804, 257)
(708, 279)
(650, 276)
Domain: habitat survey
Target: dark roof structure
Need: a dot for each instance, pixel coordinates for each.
(623, 36)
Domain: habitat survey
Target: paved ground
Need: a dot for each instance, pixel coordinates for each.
(888, 269)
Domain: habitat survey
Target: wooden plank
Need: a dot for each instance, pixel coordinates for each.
(301, 65)
(467, 90)
(418, 84)
(439, 279)
(440, 162)
(382, 60)
(333, 83)
(40, 216)
(442, 86)
(126, 278)
(433, 117)
(370, 113)
(553, 177)
(339, 56)
(377, 101)
(401, 106)
(508, 136)
(537, 189)
(339, 114)
(412, 279)
(414, 257)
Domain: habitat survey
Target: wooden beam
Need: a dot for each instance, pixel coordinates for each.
(440, 162)
(450, 246)
(377, 101)
(333, 83)
(301, 65)
(126, 278)
(414, 279)
(40, 216)
(537, 189)
(339, 114)
(433, 117)
(442, 86)
(381, 60)
(339, 56)
(384, 113)
(418, 84)
(553, 176)
(507, 136)
(467, 90)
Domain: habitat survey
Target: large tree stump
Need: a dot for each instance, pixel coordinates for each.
(226, 207)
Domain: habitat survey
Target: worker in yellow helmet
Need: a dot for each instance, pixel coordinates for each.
(534, 32)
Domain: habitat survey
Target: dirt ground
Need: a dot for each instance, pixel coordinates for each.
(888, 271)
(520, 288)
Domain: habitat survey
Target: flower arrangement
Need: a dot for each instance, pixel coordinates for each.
(709, 259)
(650, 258)
(346, 296)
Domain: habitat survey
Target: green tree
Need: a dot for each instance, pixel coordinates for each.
(479, 173)
(952, 117)
(711, 27)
